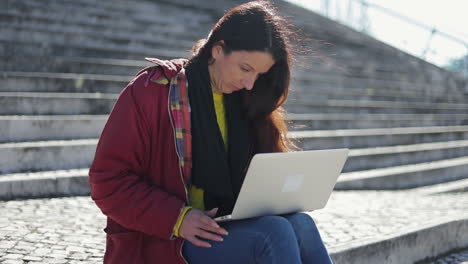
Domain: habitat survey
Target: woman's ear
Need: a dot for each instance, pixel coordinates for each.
(217, 49)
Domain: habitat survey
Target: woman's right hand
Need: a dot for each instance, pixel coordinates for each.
(200, 224)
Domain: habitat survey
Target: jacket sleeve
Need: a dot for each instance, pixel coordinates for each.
(117, 183)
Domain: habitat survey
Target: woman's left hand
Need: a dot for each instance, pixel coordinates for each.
(198, 224)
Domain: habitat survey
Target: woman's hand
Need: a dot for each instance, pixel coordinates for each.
(198, 224)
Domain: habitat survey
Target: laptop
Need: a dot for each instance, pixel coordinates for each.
(287, 182)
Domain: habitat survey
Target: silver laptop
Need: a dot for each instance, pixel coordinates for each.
(288, 182)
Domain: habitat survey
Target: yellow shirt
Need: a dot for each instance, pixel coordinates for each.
(221, 116)
(196, 194)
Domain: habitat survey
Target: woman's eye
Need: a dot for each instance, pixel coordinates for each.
(244, 69)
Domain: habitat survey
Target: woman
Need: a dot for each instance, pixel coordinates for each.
(175, 149)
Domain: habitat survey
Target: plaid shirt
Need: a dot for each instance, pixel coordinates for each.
(179, 109)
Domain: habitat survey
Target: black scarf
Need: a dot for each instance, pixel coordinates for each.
(218, 172)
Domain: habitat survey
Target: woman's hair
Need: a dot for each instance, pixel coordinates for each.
(255, 26)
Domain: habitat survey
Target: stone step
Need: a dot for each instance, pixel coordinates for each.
(125, 68)
(300, 78)
(74, 64)
(374, 137)
(34, 103)
(51, 127)
(376, 89)
(307, 121)
(314, 93)
(48, 33)
(75, 181)
(61, 154)
(46, 155)
(135, 6)
(446, 187)
(60, 82)
(422, 79)
(405, 176)
(367, 69)
(323, 87)
(39, 48)
(456, 256)
(140, 6)
(50, 18)
(87, 21)
(56, 103)
(359, 94)
(390, 156)
(345, 59)
(58, 127)
(333, 79)
(409, 245)
(319, 80)
(44, 184)
(51, 74)
(77, 65)
(151, 13)
(61, 64)
(373, 107)
(322, 84)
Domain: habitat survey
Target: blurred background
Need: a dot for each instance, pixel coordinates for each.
(432, 30)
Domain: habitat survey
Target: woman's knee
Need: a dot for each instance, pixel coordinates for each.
(273, 222)
(276, 241)
(308, 237)
(305, 228)
(301, 220)
(303, 225)
(275, 227)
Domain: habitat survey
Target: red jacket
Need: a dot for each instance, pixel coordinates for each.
(137, 177)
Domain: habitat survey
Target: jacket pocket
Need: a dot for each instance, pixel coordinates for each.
(124, 247)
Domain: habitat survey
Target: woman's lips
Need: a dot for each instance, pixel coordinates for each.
(235, 88)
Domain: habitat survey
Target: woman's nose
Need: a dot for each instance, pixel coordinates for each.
(248, 83)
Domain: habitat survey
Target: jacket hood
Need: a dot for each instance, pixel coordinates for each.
(170, 67)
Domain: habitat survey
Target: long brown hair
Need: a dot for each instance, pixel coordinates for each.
(256, 26)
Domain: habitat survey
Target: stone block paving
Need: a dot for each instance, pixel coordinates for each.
(70, 230)
(59, 230)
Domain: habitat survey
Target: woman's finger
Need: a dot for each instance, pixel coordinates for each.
(218, 230)
(208, 235)
(211, 213)
(208, 221)
(199, 243)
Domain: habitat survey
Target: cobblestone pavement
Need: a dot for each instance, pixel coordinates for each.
(460, 257)
(70, 230)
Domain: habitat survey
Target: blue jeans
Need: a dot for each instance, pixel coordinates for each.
(291, 238)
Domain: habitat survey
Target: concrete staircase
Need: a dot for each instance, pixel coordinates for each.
(404, 120)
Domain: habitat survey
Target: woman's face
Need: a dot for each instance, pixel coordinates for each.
(237, 70)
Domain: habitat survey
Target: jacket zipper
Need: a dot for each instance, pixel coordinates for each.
(178, 155)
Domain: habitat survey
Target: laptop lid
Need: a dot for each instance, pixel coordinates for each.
(287, 182)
